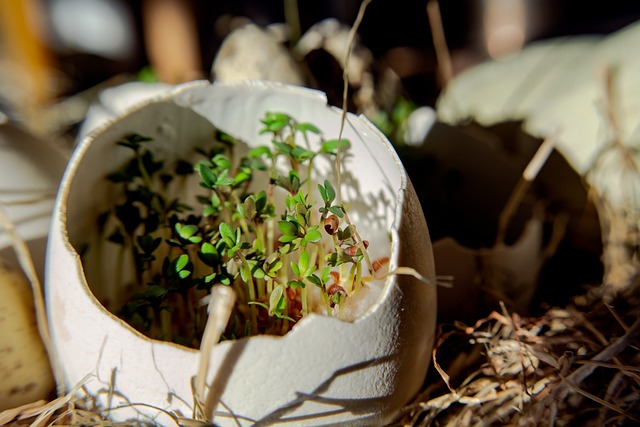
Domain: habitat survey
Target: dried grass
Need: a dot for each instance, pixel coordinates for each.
(571, 366)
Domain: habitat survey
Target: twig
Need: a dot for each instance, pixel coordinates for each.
(345, 89)
(292, 18)
(611, 351)
(443, 58)
(573, 386)
(531, 171)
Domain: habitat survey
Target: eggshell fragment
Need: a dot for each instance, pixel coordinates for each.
(25, 374)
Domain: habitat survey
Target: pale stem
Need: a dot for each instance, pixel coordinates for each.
(445, 69)
(528, 175)
(345, 87)
(252, 294)
(221, 301)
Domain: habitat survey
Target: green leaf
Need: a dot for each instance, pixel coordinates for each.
(288, 228)
(331, 192)
(186, 231)
(148, 244)
(331, 146)
(245, 273)
(226, 181)
(258, 273)
(259, 152)
(208, 254)
(227, 233)
(301, 153)
(271, 116)
(272, 266)
(242, 176)
(209, 210)
(337, 211)
(223, 179)
(282, 147)
(346, 233)
(208, 177)
(334, 260)
(295, 268)
(258, 245)
(133, 141)
(249, 208)
(313, 234)
(155, 291)
(274, 126)
(261, 201)
(258, 303)
(277, 301)
(210, 249)
(274, 122)
(315, 280)
(303, 263)
(215, 200)
(181, 262)
(307, 127)
(221, 161)
(295, 284)
(327, 193)
(324, 275)
(287, 238)
(225, 137)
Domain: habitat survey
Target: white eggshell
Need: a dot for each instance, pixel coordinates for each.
(324, 372)
(252, 53)
(558, 88)
(30, 172)
(25, 373)
(509, 273)
(117, 100)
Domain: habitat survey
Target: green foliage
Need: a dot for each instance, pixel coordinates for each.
(233, 236)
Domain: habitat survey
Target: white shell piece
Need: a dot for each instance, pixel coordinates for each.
(30, 172)
(118, 100)
(325, 371)
(558, 87)
(510, 273)
(252, 53)
(333, 37)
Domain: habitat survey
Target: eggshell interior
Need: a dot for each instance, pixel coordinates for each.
(325, 371)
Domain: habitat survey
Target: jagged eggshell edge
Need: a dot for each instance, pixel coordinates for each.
(325, 371)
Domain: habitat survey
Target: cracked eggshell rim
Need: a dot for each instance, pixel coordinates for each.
(325, 371)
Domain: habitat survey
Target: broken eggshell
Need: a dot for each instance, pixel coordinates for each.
(326, 371)
(464, 176)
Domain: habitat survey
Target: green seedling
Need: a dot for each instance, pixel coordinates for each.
(284, 264)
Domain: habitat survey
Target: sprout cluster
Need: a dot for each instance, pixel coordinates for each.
(282, 263)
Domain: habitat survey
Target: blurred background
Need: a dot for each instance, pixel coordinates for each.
(51, 50)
